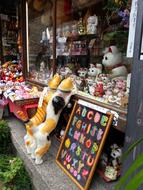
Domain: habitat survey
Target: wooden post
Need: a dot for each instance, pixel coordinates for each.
(134, 128)
(54, 36)
(23, 33)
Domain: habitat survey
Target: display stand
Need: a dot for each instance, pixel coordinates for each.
(24, 106)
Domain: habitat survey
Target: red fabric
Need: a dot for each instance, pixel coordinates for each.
(15, 108)
(67, 6)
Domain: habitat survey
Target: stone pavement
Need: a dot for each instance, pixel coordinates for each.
(47, 176)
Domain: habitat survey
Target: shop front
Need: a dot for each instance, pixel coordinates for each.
(77, 50)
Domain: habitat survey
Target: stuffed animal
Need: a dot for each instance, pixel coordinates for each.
(55, 106)
(112, 60)
(92, 22)
(40, 115)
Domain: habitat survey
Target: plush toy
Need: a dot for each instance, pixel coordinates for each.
(92, 22)
(55, 106)
(112, 60)
(40, 115)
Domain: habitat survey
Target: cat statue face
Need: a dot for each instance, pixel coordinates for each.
(112, 60)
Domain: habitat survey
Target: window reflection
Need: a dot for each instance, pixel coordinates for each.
(40, 38)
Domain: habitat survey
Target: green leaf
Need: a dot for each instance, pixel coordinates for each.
(136, 164)
(136, 181)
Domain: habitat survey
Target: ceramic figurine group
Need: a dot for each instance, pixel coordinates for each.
(37, 140)
(111, 164)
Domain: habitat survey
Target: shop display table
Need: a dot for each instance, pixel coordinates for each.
(27, 106)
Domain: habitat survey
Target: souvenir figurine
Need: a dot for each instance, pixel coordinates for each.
(124, 14)
(81, 28)
(128, 84)
(116, 153)
(111, 173)
(82, 72)
(40, 115)
(92, 22)
(55, 106)
(112, 60)
(98, 90)
(112, 170)
(81, 79)
(65, 71)
(92, 71)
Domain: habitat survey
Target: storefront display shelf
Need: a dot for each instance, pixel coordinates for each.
(120, 111)
(78, 5)
(82, 37)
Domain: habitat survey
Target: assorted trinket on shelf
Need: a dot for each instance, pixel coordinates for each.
(92, 23)
(110, 163)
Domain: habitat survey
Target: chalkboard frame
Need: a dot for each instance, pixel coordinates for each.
(110, 115)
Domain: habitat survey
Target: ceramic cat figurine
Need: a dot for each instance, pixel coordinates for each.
(112, 61)
(38, 118)
(55, 106)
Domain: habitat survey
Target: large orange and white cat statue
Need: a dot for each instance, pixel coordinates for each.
(55, 106)
(39, 117)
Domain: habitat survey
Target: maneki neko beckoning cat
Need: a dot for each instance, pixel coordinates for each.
(38, 118)
(113, 63)
(55, 106)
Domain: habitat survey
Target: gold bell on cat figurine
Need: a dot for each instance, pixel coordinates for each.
(66, 85)
(54, 82)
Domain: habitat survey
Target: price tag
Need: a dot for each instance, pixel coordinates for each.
(42, 96)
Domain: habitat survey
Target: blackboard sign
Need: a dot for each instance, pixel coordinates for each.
(83, 141)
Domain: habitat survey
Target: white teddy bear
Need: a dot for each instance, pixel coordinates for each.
(92, 22)
(112, 60)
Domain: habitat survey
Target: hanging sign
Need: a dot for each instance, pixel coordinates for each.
(83, 141)
(132, 28)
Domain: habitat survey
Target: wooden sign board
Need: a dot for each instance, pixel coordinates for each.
(83, 141)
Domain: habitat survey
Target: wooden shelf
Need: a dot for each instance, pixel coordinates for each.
(87, 4)
(82, 37)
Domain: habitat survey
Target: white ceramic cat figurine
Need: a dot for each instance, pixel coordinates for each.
(112, 60)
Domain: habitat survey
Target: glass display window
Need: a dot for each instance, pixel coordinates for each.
(39, 39)
(91, 41)
(86, 40)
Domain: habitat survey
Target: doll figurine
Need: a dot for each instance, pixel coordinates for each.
(55, 106)
(40, 115)
(112, 61)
